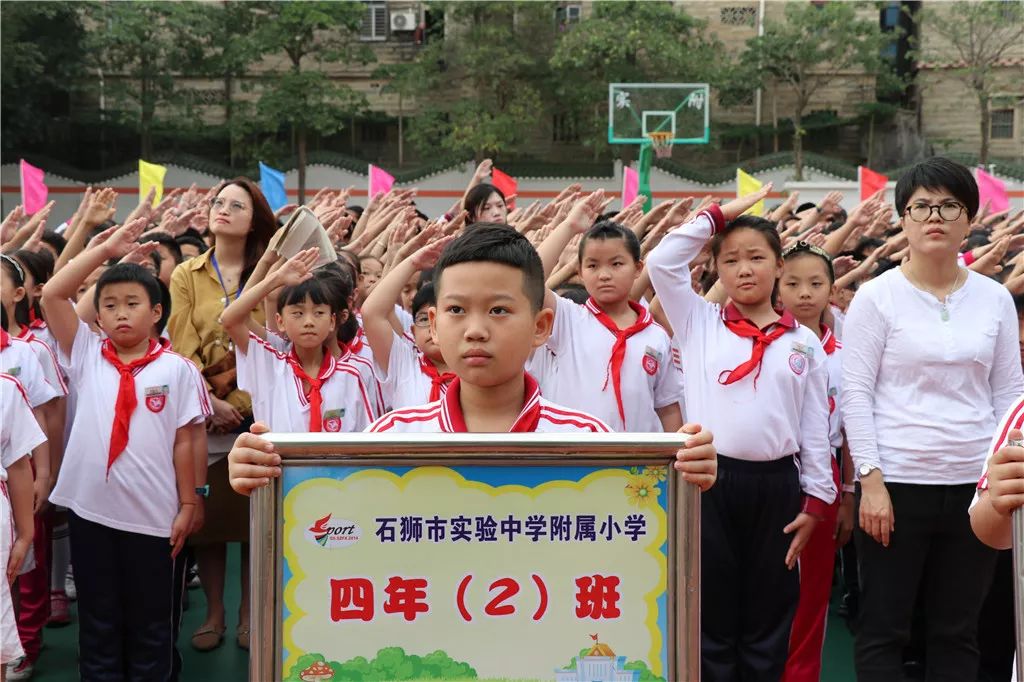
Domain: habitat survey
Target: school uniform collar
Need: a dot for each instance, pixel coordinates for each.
(25, 334)
(828, 339)
(452, 420)
(643, 315)
(730, 313)
(5, 339)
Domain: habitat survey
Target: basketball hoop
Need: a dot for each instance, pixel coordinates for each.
(661, 141)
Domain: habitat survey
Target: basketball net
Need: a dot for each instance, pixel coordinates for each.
(661, 142)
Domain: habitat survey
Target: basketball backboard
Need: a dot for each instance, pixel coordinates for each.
(637, 109)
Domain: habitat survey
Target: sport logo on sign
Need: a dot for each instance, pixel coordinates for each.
(156, 397)
(651, 361)
(331, 533)
(332, 420)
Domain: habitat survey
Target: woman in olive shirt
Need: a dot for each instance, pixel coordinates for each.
(241, 223)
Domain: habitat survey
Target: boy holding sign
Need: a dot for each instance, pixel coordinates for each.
(488, 319)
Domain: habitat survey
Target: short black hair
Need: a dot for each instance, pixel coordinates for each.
(55, 240)
(167, 241)
(496, 243)
(477, 197)
(751, 222)
(938, 173)
(39, 264)
(424, 297)
(165, 308)
(607, 229)
(189, 240)
(128, 273)
(319, 289)
(337, 277)
(576, 293)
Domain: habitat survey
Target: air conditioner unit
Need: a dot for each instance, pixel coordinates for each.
(403, 20)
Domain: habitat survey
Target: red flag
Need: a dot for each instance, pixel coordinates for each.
(380, 180)
(507, 184)
(870, 181)
(593, 637)
(630, 185)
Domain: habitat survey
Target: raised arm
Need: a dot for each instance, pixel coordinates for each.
(58, 292)
(380, 304)
(237, 317)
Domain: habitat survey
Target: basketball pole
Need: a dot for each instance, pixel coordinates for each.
(644, 174)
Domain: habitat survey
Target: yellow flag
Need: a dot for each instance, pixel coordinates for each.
(151, 175)
(748, 184)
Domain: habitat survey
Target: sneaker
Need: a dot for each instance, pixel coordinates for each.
(69, 586)
(60, 610)
(19, 669)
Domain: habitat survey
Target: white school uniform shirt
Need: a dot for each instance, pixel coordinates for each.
(786, 413)
(140, 493)
(542, 365)
(47, 360)
(19, 359)
(279, 398)
(20, 433)
(921, 394)
(405, 384)
(834, 363)
(445, 416)
(365, 367)
(582, 346)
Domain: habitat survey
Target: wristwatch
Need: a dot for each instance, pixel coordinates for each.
(866, 469)
(204, 491)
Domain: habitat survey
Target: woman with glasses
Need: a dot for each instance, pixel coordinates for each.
(931, 363)
(241, 224)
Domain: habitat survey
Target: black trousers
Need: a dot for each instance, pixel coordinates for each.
(934, 555)
(126, 612)
(748, 596)
(995, 627)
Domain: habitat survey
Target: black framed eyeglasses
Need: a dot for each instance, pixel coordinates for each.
(421, 321)
(948, 211)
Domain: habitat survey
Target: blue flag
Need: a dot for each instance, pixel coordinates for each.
(272, 184)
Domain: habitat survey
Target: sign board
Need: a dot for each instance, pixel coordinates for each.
(514, 557)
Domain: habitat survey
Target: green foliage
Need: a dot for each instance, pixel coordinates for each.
(42, 53)
(480, 89)
(390, 663)
(815, 44)
(645, 673)
(628, 42)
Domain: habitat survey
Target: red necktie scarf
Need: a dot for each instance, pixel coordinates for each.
(5, 339)
(437, 379)
(315, 397)
(126, 399)
(746, 329)
(643, 321)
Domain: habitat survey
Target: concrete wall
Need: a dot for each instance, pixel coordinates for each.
(438, 192)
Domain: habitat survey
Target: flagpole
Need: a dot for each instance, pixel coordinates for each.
(1018, 587)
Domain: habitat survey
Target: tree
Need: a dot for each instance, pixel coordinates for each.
(479, 88)
(972, 38)
(36, 82)
(628, 42)
(140, 47)
(815, 45)
(301, 96)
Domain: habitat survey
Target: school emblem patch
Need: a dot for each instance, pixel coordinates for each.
(797, 363)
(156, 398)
(332, 420)
(13, 371)
(651, 361)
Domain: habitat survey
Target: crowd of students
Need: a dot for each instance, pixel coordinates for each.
(833, 369)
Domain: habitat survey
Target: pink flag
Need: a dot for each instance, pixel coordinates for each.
(870, 181)
(991, 188)
(630, 185)
(380, 180)
(33, 189)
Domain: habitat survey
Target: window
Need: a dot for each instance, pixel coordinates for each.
(567, 14)
(564, 129)
(1001, 125)
(738, 16)
(375, 22)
